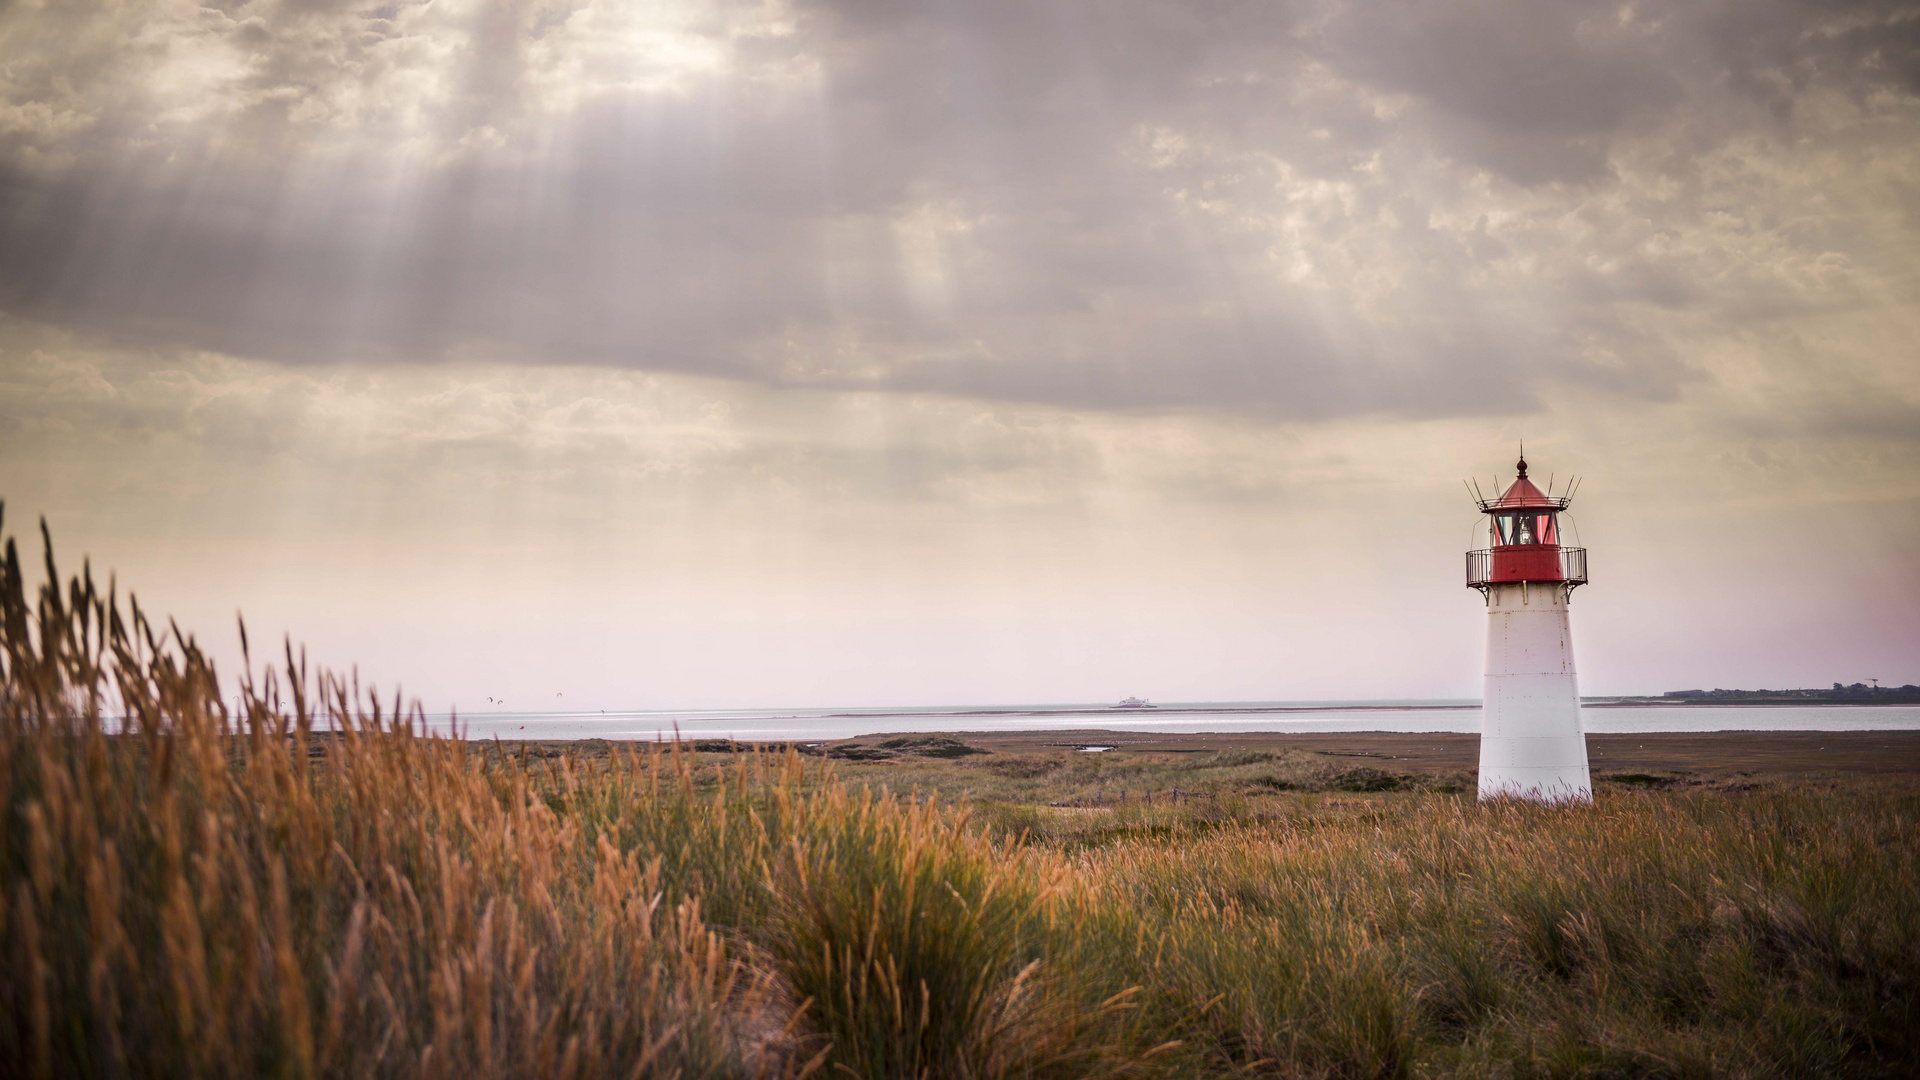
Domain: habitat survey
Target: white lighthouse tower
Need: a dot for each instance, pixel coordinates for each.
(1531, 745)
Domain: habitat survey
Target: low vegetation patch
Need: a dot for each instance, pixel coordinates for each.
(1639, 779)
(1365, 779)
(309, 886)
(933, 746)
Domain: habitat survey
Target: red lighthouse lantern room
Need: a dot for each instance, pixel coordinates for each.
(1525, 525)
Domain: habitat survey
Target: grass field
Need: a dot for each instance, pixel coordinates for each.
(311, 888)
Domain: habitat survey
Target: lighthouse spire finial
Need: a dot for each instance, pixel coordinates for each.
(1522, 465)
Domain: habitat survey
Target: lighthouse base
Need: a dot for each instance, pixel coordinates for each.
(1531, 744)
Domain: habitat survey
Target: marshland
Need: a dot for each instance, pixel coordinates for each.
(306, 885)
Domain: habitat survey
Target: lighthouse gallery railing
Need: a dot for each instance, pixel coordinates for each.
(1573, 568)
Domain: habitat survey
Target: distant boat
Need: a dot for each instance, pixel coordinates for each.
(1134, 703)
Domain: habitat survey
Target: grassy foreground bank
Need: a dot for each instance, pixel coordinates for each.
(212, 894)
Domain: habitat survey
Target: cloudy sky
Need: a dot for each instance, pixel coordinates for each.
(809, 353)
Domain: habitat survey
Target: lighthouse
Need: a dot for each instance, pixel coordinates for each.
(1531, 745)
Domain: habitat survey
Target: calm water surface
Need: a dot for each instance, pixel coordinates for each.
(803, 725)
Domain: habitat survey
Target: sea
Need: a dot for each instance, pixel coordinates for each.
(825, 725)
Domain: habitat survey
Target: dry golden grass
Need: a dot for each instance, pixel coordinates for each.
(205, 896)
(314, 888)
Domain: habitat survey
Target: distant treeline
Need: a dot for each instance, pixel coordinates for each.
(1858, 693)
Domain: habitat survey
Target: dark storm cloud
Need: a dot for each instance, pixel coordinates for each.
(1255, 206)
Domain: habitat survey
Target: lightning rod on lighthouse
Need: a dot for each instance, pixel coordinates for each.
(1531, 743)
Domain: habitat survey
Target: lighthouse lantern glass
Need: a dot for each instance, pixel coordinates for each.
(1511, 530)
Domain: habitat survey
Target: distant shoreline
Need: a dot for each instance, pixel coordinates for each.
(1157, 710)
(1255, 710)
(1768, 703)
(1206, 710)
